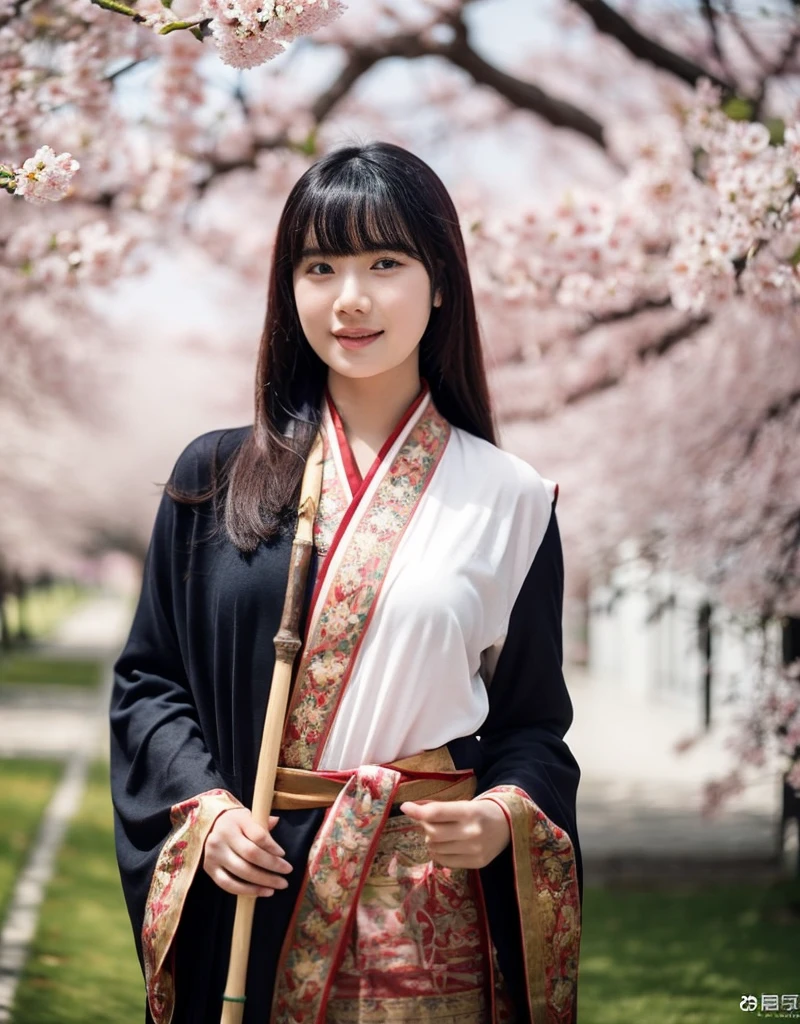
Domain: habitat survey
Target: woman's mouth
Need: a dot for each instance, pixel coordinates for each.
(355, 343)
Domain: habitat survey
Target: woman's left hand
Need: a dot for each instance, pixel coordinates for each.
(461, 833)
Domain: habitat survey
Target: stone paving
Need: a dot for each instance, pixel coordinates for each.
(639, 803)
(55, 721)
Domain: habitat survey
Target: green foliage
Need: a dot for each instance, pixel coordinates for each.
(83, 967)
(27, 667)
(686, 956)
(738, 108)
(42, 608)
(309, 145)
(777, 129)
(25, 788)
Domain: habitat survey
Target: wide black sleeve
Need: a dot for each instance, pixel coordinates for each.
(522, 739)
(158, 754)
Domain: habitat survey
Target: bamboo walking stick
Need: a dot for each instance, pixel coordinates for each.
(287, 644)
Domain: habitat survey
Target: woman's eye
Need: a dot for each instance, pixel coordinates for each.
(314, 267)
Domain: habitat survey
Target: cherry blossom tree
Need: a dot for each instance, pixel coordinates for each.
(638, 285)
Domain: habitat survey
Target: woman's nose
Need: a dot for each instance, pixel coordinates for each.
(352, 297)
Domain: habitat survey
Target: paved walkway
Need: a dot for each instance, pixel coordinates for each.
(55, 721)
(639, 802)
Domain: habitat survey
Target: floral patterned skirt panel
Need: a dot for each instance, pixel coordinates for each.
(419, 949)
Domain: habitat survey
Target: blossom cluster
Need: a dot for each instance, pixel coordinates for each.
(92, 253)
(708, 208)
(250, 32)
(247, 33)
(43, 178)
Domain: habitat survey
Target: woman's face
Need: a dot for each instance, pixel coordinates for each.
(385, 295)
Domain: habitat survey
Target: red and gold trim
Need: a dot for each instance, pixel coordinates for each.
(353, 473)
(335, 875)
(419, 947)
(549, 905)
(339, 866)
(337, 628)
(333, 501)
(176, 866)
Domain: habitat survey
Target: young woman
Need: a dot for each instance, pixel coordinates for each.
(423, 860)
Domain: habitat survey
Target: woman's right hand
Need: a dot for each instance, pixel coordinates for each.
(242, 857)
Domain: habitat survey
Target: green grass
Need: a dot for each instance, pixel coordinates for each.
(43, 607)
(83, 967)
(676, 957)
(687, 957)
(29, 667)
(25, 788)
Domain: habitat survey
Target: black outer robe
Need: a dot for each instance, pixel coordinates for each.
(188, 706)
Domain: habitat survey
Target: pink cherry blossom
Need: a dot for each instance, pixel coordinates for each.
(250, 32)
(46, 177)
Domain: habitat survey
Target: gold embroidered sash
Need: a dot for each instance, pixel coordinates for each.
(339, 861)
(297, 788)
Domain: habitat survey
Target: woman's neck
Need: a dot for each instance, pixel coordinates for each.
(371, 407)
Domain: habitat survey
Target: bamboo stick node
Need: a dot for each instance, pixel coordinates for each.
(287, 643)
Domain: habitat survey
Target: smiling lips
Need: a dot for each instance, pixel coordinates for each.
(357, 338)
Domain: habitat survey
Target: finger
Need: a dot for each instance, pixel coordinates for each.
(437, 810)
(247, 872)
(256, 834)
(254, 854)
(449, 831)
(230, 883)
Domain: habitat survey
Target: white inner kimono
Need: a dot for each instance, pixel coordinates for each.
(446, 592)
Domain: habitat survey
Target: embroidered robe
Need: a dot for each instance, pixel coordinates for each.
(433, 620)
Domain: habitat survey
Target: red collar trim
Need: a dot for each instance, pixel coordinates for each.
(358, 483)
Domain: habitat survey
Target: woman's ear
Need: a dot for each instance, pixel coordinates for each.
(437, 297)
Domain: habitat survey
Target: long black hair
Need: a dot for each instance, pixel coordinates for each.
(358, 198)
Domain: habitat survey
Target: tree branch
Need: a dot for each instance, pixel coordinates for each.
(709, 12)
(623, 314)
(522, 94)
(361, 59)
(652, 349)
(658, 347)
(772, 412)
(744, 37)
(612, 23)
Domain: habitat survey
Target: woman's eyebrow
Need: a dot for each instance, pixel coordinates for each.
(306, 253)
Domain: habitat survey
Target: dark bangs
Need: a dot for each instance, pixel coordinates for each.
(352, 206)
